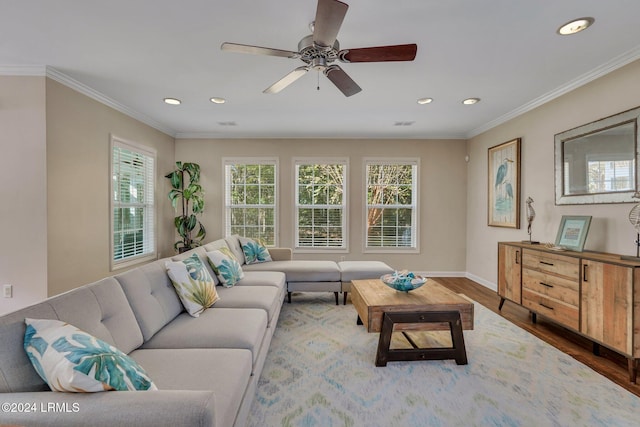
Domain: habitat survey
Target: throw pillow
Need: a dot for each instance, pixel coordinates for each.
(254, 251)
(226, 266)
(193, 283)
(72, 360)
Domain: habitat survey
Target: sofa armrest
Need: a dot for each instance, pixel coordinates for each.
(280, 254)
(108, 409)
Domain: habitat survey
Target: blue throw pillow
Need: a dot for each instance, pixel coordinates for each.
(254, 251)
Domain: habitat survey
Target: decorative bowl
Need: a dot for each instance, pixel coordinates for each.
(403, 281)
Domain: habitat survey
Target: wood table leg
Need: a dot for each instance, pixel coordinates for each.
(359, 321)
(457, 351)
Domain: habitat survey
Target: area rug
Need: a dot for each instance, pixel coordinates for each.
(320, 372)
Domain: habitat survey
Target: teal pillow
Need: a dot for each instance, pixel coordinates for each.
(254, 251)
(71, 360)
(193, 284)
(226, 266)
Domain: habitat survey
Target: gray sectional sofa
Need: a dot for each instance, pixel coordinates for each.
(206, 369)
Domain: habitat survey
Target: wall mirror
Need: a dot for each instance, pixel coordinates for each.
(597, 162)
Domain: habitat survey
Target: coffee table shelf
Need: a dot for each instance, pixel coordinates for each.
(428, 308)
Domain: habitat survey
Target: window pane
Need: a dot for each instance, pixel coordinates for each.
(318, 187)
(133, 175)
(251, 196)
(390, 205)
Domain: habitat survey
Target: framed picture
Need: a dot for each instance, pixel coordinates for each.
(504, 185)
(573, 232)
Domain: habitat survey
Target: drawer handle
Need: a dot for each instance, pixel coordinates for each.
(517, 257)
(584, 273)
(546, 284)
(545, 306)
(546, 263)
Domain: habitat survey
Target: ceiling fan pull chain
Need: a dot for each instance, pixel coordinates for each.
(318, 74)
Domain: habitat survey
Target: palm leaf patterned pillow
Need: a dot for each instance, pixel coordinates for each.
(254, 251)
(193, 284)
(226, 266)
(71, 360)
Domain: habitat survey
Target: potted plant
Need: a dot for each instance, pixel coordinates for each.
(187, 191)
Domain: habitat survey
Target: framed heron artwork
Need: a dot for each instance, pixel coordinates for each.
(504, 185)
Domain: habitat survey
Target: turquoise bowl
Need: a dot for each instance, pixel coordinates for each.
(403, 283)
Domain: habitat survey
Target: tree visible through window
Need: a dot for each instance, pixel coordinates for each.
(250, 195)
(132, 201)
(391, 204)
(321, 204)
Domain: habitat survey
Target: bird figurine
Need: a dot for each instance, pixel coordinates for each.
(531, 215)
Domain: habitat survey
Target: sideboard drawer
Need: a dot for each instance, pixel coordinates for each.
(560, 265)
(562, 313)
(552, 286)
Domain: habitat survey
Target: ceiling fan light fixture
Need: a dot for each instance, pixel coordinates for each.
(471, 101)
(172, 101)
(217, 100)
(575, 26)
(423, 101)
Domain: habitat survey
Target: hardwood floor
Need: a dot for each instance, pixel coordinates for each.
(609, 364)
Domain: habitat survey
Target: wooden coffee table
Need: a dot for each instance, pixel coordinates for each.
(429, 308)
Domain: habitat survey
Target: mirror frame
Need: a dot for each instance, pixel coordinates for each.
(608, 122)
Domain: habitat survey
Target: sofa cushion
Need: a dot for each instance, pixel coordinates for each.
(254, 251)
(215, 328)
(226, 372)
(151, 295)
(267, 298)
(301, 270)
(71, 360)
(263, 278)
(226, 266)
(234, 244)
(193, 284)
(100, 309)
(355, 270)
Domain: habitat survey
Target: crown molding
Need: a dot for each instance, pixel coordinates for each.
(70, 82)
(604, 69)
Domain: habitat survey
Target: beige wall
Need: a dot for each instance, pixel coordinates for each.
(78, 137)
(442, 191)
(610, 230)
(23, 192)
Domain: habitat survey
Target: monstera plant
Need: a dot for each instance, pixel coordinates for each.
(187, 198)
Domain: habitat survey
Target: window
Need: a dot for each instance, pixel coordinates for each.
(250, 199)
(132, 203)
(391, 214)
(321, 204)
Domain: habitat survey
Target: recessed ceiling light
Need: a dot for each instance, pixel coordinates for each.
(216, 100)
(471, 101)
(423, 101)
(575, 26)
(172, 101)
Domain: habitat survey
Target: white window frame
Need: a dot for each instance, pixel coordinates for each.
(415, 205)
(149, 226)
(344, 248)
(226, 208)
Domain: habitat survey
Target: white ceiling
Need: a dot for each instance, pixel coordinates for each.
(133, 53)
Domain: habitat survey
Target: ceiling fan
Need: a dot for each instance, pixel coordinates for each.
(320, 50)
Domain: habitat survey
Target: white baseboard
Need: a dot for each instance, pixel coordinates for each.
(483, 282)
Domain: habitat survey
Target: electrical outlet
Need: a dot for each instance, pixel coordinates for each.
(7, 291)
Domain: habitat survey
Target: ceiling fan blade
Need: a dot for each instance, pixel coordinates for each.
(257, 50)
(286, 80)
(400, 52)
(329, 17)
(342, 80)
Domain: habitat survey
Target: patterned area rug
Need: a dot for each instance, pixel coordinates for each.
(320, 372)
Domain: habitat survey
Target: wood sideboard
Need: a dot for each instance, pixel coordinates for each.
(595, 294)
